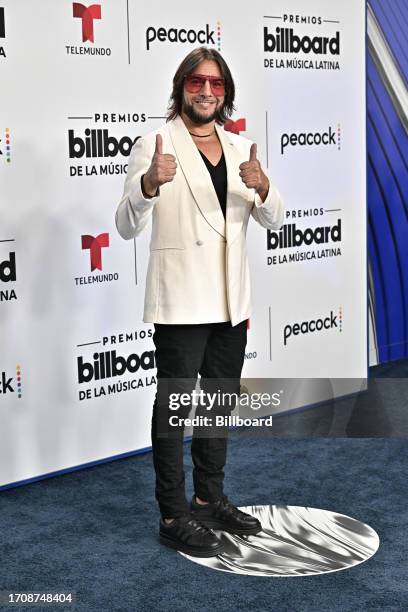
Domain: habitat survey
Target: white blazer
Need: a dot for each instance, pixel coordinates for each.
(198, 267)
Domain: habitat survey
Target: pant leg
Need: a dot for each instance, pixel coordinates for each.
(220, 372)
(179, 354)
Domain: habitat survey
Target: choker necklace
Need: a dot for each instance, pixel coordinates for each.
(202, 136)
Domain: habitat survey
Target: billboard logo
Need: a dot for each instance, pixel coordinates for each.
(98, 143)
(290, 236)
(290, 48)
(111, 372)
(87, 14)
(95, 245)
(286, 41)
(109, 364)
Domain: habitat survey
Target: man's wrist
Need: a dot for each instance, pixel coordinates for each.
(147, 190)
(264, 190)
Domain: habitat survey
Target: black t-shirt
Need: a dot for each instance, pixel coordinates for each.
(218, 175)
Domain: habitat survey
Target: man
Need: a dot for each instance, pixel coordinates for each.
(199, 184)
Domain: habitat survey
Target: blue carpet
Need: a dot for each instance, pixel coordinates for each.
(95, 531)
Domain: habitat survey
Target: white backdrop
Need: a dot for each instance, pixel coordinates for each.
(70, 111)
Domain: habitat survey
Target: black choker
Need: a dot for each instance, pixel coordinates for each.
(202, 136)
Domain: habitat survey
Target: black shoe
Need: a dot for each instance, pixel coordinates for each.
(225, 516)
(191, 537)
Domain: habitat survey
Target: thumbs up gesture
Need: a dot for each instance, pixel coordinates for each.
(252, 174)
(162, 169)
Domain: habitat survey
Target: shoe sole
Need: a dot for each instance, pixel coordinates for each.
(192, 552)
(211, 524)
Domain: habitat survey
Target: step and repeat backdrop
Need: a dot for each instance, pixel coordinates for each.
(81, 82)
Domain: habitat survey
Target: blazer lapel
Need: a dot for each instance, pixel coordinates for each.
(197, 175)
(236, 188)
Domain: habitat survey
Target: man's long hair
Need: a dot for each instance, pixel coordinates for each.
(186, 67)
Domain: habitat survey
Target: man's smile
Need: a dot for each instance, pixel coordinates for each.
(205, 103)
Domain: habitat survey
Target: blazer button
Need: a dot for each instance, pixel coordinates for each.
(199, 242)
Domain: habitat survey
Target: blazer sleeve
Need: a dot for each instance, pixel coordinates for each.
(269, 214)
(134, 210)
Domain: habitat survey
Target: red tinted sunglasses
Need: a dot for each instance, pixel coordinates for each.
(195, 82)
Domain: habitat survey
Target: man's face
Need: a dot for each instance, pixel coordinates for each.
(201, 107)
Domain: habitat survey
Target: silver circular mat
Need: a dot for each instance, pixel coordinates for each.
(295, 541)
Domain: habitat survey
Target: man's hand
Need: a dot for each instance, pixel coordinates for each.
(162, 169)
(253, 176)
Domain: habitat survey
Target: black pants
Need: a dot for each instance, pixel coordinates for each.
(215, 351)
